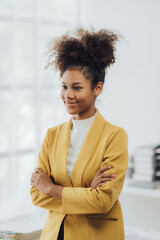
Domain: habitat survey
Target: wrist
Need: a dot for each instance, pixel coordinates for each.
(55, 190)
(50, 189)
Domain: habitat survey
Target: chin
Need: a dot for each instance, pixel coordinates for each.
(72, 111)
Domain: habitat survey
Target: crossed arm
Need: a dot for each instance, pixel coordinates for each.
(103, 191)
(41, 180)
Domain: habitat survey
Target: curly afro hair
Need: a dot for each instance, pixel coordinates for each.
(89, 52)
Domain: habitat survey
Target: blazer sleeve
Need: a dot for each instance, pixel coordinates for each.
(93, 201)
(38, 198)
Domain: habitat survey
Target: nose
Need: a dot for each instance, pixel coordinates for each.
(69, 93)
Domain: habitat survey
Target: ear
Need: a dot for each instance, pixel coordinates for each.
(98, 89)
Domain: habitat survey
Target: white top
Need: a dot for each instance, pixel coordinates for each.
(78, 133)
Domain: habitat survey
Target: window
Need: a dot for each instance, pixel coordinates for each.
(29, 95)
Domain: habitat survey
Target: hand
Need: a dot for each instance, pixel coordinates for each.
(41, 181)
(102, 177)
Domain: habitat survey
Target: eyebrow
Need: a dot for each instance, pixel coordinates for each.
(75, 83)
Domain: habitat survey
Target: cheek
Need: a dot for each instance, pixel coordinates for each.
(86, 96)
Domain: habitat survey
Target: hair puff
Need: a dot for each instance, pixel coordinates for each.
(95, 50)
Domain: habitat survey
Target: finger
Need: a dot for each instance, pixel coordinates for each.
(98, 181)
(102, 180)
(103, 169)
(105, 175)
(34, 175)
(32, 183)
(33, 178)
(39, 170)
(108, 175)
(106, 179)
(100, 184)
(95, 182)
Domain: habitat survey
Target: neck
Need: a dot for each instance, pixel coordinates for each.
(82, 116)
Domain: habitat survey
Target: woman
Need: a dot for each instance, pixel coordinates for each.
(82, 162)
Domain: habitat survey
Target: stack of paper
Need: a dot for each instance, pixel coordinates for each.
(146, 163)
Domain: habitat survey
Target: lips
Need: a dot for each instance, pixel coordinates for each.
(70, 103)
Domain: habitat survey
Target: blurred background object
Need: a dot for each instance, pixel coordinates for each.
(30, 102)
(146, 165)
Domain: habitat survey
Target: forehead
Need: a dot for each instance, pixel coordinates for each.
(74, 77)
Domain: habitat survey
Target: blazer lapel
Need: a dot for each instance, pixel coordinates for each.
(62, 147)
(88, 148)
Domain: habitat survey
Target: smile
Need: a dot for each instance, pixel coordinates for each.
(70, 103)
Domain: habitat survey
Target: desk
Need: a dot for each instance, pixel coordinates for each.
(31, 223)
(141, 207)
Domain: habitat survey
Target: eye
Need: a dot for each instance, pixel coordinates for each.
(64, 87)
(77, 88)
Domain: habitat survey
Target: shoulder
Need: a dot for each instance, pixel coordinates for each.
(114, 132)
(56, 128)
(53, 132)
(115, 139)
(109, 129)
(114, 128)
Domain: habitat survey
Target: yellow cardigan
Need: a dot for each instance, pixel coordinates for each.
(90, 214)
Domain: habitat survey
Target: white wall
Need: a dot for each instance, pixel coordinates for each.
(132, 92)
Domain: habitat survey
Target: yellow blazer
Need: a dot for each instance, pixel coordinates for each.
(90, 214)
